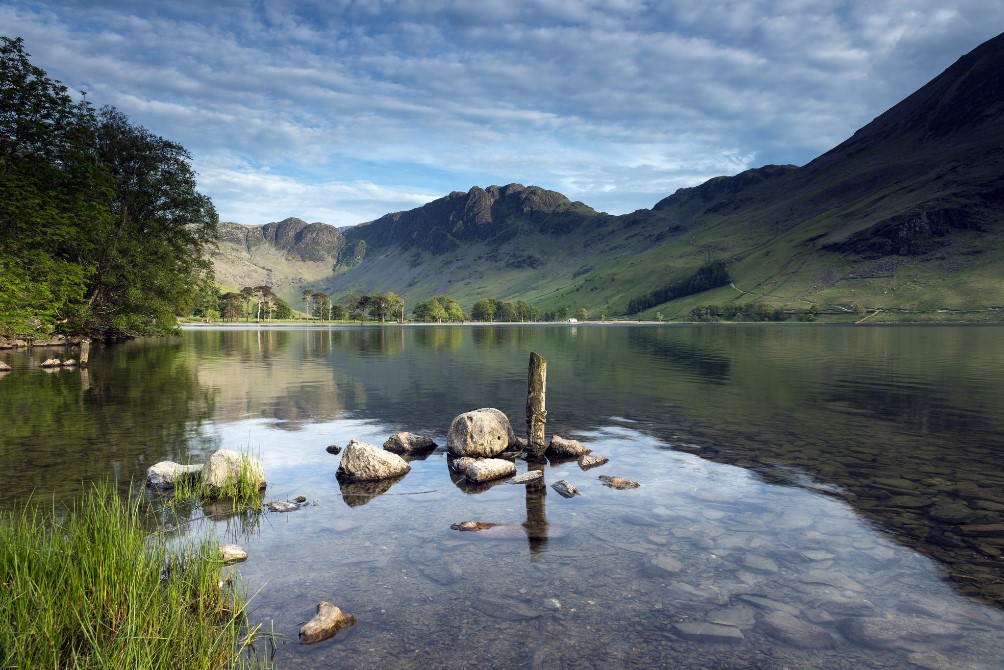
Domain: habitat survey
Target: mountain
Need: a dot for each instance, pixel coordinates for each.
(287, 254)
(905, 215)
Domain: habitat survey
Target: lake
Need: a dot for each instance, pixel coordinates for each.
(810, 496)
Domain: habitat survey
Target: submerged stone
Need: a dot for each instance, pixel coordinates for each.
(328, 621)
(619, 483)
(708, 632)
(282, 506)
(788, 628)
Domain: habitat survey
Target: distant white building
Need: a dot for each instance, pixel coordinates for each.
(573, 321)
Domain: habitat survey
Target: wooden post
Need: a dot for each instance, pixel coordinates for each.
(85, 351)
(536, 414)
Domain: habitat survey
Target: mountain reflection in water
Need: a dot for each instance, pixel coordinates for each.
(863, 454)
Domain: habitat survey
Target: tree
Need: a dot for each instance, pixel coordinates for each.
(151, 255)
(308, 297)
(395, 305)
(581, 314)
(430, 310)
(484, 309)
(505, 311)
(320, 304)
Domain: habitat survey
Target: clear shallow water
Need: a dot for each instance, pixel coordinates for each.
(821, 492)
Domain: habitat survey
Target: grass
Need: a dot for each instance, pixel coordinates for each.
(87, 587)
(241, 487)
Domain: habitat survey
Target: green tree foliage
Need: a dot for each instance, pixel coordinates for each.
(485, 309)
(439, 309)
(709, 276)
(102, 228)
(751, 311)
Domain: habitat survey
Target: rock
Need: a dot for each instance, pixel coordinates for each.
(333, 449)
(984, 529)
(51, 363)
(328, 621)
(520, 443)
(479, 433)
(224, 465)
(472, 525)
(504, 420)
(562, 448)
(565, 488)
(364, 462)
(900, 632)
(661, 565)
(618, 483)
(300, 499)
(587, 461)
(69, 363)
(708, 632)
(282, 506)
(760, 564)
(4, 367)
(460, 465)
(787, 628)
(407, 443)
(231, 553)
(166, 474)
(489, 469)
(527, 477)
(768, 604)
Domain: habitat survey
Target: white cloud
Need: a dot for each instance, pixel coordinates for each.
(346, 110)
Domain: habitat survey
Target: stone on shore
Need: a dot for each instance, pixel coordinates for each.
(407, 443)
(527, 477)
(619, 483)
(51, 363)
(587, 461)
(489, 469)
(167, 474)
(562, 448)
(226, 465)
(565, 488)
(328, 621)
(479, 434)
(365, 462)
(232, 553)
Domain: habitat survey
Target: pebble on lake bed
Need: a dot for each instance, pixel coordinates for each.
(472, 525)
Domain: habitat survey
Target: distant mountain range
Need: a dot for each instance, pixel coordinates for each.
(907, 214)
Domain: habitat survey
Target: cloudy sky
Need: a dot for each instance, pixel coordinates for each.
(344, 110)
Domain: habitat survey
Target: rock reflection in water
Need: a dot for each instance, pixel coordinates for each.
(704, 565)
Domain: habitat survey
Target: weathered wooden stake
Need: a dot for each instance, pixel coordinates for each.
(536, 414)
(85, 352)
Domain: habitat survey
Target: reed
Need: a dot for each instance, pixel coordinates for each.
(86, 587)
(242, 488)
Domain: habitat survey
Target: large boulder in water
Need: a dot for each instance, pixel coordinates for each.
(480, 434)
(504, 420)
(365, 462)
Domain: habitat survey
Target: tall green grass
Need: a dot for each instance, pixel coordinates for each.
(241, 488)
(88, 588)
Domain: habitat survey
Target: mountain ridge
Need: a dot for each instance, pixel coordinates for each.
(904, 214)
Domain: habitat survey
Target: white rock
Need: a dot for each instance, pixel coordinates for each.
(364, 462)
(224, 465)
(489, 469)
(232, 553)
(167, 474)
(479, 433)
(527, 477)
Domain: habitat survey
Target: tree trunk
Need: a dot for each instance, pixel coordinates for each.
(536, 414)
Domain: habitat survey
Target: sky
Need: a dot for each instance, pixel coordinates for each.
(342, 111)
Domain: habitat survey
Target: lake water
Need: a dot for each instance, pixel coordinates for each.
(811, 497)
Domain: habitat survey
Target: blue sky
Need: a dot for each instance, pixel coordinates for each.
(343, 111)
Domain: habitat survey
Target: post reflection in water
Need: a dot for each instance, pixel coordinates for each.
(536, 526)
